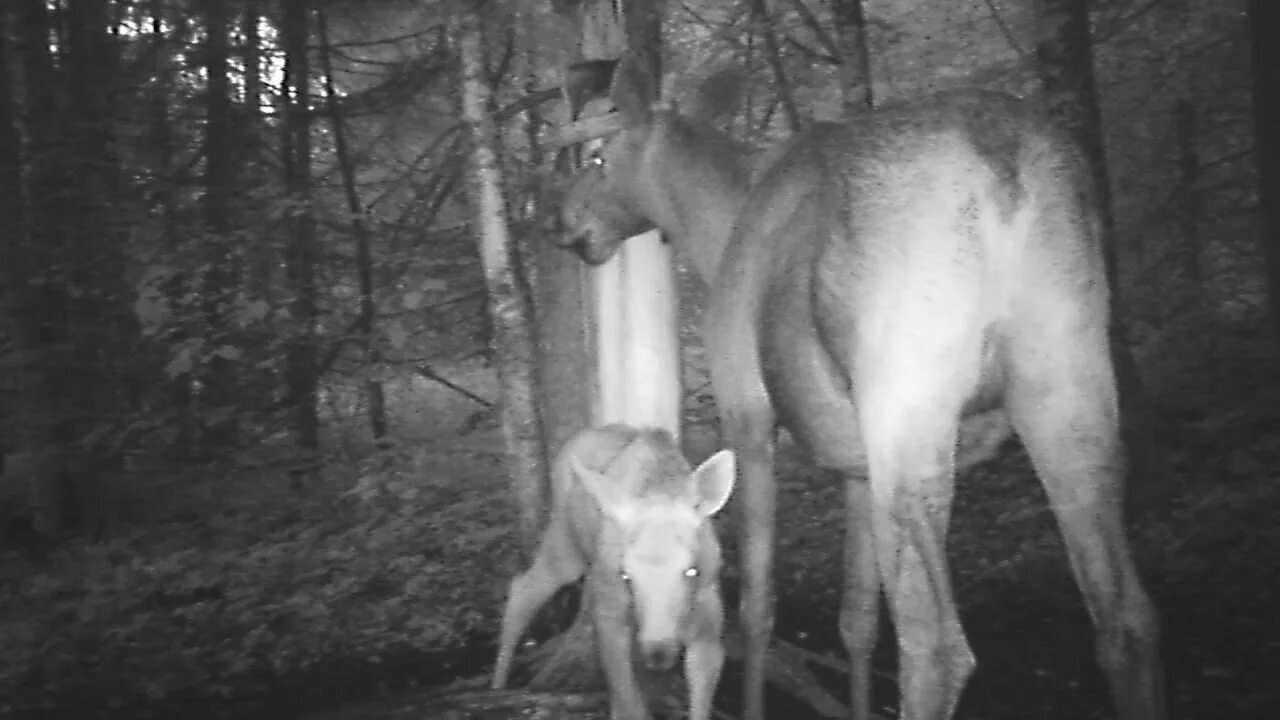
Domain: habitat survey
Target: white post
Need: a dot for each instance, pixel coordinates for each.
(638, 335)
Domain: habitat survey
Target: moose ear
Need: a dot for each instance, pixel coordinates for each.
(713, 480)
(718, 96)
(634, 90)
(610, 494)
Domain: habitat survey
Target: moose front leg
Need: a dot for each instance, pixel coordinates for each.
(614, 638)
(757, 501)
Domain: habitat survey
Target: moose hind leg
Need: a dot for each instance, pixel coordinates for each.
(860, 605)
(911, 487)
(911, 385)
(1064, 408)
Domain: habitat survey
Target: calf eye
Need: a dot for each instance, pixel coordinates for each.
(625, 577)
(595, 160)
(691, 572)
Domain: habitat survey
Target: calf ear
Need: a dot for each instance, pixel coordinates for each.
(613, 496)
(634, 90)
(713, 482)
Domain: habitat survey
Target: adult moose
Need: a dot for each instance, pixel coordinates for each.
(900, 292)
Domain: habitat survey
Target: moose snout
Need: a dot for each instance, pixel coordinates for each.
(563, 234)
(580, 243)
(660, 655)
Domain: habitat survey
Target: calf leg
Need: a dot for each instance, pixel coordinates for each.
(860, 607)
(704, 655)
(556, 564)
(613, 639)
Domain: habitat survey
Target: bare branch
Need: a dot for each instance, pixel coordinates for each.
(811, 22)
(763, 24)
(1008, 33)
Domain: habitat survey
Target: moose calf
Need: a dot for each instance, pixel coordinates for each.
(630, 515)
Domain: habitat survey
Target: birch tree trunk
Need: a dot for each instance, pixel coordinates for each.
(635, 303)
(510, 303)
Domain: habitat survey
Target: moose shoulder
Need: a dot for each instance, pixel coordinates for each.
(901, 292)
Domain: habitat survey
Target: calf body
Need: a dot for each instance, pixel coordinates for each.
(630, 515)
(901, 293)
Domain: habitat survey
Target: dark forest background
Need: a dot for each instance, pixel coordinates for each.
(252, 464)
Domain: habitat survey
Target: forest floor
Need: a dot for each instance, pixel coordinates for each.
(372, 589)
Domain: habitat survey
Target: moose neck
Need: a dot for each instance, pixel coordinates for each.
(699, 178)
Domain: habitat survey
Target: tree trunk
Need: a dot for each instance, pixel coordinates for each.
(13, 214)
(161, 140)
(1065, 54)
(46, 392)
(14, 288)
(261, 251)
(635, 302)
(510, 304)
(1264, 17)
(855, 57)
(364, 255)
(301, 254)
(219, 181)
(262, 254)
(98, 312)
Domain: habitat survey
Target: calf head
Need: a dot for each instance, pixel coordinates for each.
(661, 511)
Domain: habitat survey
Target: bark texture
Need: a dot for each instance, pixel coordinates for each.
(302, 252)
(510, 303)
(1264, 19)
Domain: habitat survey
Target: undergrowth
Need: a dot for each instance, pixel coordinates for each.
(250, 580)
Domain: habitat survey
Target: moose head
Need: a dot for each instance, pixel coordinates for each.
(660, 510)
(654, 153)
